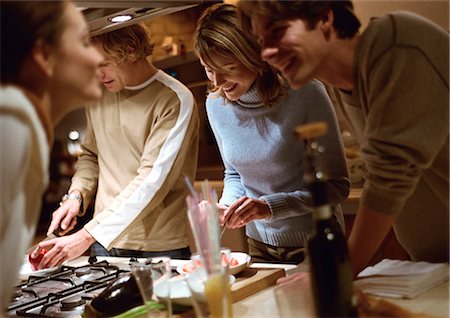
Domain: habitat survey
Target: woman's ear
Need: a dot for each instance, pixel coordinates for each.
(44, 57)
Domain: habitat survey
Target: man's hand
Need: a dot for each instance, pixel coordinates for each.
(244, 210)
(299, 278)
(368, 232)
(64, 248)
(65, 216)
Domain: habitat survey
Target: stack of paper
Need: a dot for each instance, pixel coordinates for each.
(401, 279)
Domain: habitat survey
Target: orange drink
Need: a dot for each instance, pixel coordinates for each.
(218, 295)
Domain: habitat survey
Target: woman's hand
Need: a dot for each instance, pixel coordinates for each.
(222, 209)
(244, 210)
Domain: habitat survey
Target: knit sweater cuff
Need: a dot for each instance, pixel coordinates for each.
(277, 203)
(380, 200)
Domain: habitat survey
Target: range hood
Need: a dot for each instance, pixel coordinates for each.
(98, 13)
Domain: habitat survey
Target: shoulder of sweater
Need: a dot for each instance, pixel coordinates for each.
(395, 28)
(213, 100)
(172, 82)
(13, 98)
(312, 87)
(14, 101)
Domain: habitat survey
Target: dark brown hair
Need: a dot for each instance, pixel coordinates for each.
(23, 23)
(345, 21)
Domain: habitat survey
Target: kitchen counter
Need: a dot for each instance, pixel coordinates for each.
(435, 302)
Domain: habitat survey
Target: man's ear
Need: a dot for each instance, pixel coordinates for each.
(131, 55)
(44, 58)
(326, 24)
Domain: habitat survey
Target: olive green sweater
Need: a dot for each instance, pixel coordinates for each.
(399, 110)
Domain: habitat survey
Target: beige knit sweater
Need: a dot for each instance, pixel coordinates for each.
(138, 144)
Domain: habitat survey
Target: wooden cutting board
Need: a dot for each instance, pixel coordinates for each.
(252, 280)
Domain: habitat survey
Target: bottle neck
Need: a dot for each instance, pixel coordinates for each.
(322, 212)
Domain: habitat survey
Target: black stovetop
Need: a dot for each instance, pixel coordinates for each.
(63, 293)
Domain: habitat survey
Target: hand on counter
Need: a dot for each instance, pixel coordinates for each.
(300, 278)
(64, 248)
(371, 307)
(243, 211)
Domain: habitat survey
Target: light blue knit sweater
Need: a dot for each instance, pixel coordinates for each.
(263, 158)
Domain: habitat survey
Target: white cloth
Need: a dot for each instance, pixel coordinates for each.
(401, 279)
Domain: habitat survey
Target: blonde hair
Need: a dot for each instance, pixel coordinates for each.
(129, 43)
(219, 34)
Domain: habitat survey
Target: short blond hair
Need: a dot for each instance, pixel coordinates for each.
(129, 43)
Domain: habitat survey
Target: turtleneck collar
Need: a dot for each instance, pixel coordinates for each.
(250, 99)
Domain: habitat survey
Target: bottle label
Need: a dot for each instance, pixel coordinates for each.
(323, 212)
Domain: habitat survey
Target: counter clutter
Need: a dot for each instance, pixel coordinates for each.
(254, 294)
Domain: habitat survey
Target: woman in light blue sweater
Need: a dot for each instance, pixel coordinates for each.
(253, 115)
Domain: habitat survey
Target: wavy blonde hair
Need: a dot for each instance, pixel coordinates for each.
(129, 43)
(219, 34)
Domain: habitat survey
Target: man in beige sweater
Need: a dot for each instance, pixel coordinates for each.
(140, 141)
(393, 81)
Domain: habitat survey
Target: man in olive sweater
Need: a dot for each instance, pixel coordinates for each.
(140, 142)
(393, 82)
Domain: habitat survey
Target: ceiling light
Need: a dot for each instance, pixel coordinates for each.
(121, 18)
(74, 135)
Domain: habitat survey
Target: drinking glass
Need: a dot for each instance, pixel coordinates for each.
(211, 292)
(294, 299)
(149, 275)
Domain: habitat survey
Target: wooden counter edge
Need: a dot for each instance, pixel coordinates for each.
(261, 280)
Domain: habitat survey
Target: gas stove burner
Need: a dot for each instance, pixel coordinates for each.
(92, 259)
(63, 293)
(72, 302)
(17, 293)
(30, 291)
(82, 271)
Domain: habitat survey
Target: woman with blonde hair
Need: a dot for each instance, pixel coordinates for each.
(48, 68)
(253, 114)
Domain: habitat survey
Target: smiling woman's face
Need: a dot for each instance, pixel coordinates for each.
(234, 79)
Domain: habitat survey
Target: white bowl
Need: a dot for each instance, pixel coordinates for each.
(26, 270)
(243, 260)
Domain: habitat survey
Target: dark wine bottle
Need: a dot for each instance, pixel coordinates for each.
(331, 274)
